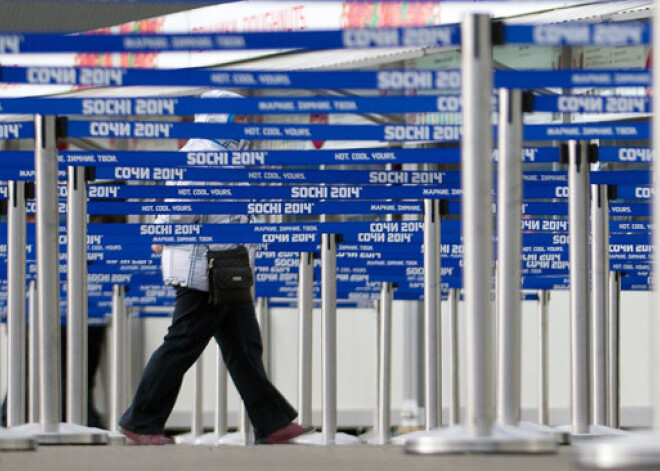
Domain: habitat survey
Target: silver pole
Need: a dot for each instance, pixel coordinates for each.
(599, 299)
(578, 183)
(221, 397)
(76, 222)
(384, 363)
(455, 398)
(262, 319)
(509, 248)
(16, 239)
(477, 185)
(244, 424)
(117, 370)
(33, 354)
(48, 271)
(432, 310)
(544, 371)
(329, 336)
(613, 349)
(197, 428)
(305, 332)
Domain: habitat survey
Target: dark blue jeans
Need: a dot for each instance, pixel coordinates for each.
(236, 330)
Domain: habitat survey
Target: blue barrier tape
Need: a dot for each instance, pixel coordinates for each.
(625, 154)
(327, 79)
(388, 177)
(574, 34)
(167, 106)
(343, 132)
(18, 130)
(429, 36)
(604, 34)
(592, 104)
(535, 79)
(448, 79)
(262, 157)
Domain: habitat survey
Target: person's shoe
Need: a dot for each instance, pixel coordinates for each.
(140, 439)
(286, 434)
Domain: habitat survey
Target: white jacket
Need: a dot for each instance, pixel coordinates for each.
(185, 265)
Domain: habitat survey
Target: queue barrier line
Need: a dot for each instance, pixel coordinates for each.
(604, 34)
(443, 79)
(181, 106)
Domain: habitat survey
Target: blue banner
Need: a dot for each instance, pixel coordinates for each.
(625, 154)
(343, 132)
(429, 36)
(181, 106)
(447, 79)
(592, 104)
(535, 79)
(381, 177)
(327, 79)
(625, 33)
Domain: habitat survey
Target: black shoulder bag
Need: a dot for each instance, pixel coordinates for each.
(230, 276)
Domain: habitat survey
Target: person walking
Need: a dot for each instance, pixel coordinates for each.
(232, 323)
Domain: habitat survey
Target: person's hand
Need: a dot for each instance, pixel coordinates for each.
(157, 248)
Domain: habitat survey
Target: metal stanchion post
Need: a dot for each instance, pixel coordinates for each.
(543, 364)
(33, 355)
(432, 327)
(454, 375)
(16, 238)
(117, 361)
(220, 417)
(305, 332)
(578, 183)
(197, 412)
(16, 277)
(599, 275)
(614, 288)
(329, 336)
(432, 312)
(600, 265)
(76, 380)
(384, 364)
(535, 438)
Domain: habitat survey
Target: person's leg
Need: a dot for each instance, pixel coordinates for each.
(95, 341)
(192, 326)
(239, 339)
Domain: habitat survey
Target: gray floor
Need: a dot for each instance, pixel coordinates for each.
(271, 458)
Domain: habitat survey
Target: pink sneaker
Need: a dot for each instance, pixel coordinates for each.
(286, 434)
(139, 439)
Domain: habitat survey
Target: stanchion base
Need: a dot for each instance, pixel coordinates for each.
(561, 436)
(11, 439)
(400, 440)
(317, 438)
(235, 439)
(637, 450)
(372, 438)
(208, 439)
(503, 439)
(595, 431)
(66, 434)
(186, 439)
(116, 439)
